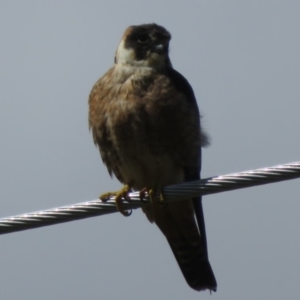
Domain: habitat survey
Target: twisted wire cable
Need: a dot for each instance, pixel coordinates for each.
(182, 191)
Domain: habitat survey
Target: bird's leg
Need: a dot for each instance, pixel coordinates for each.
(119, 196)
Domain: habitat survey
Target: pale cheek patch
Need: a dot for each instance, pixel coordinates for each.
(124, 56)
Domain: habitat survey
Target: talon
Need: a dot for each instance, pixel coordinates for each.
(105, 197)
(119, 196)
(143, 194)
(151, 193)
(156, 198)
(161, 195)
(123, 194)
(152, 196)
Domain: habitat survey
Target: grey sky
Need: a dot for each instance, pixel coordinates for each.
(242, 59)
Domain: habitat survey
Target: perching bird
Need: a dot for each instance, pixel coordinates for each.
(145, 120)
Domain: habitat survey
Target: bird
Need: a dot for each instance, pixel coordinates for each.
(145, 120)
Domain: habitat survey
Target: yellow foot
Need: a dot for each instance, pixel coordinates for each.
(152, 195)
(119, 196)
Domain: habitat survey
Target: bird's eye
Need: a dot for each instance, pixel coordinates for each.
(142, 38)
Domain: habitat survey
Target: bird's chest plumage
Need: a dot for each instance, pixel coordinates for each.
(138, 132)
(137, 125)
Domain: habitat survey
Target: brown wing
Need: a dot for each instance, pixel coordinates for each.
(99, 110)
(176, 220)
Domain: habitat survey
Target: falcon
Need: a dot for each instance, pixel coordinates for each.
(145, 120)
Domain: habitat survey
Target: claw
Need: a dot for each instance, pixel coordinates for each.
(119, 197)
(161, 195)
(143, 194)
(152, 195)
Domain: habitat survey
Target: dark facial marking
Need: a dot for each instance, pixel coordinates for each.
(144, 38)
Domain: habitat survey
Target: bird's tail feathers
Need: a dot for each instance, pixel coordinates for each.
(194, 265)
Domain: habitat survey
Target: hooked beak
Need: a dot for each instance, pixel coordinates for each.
(160, 48)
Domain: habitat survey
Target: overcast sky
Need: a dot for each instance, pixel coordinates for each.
(242, 59)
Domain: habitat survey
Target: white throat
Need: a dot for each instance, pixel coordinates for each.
(126, 56)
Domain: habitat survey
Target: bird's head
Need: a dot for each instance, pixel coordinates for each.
(145, 45)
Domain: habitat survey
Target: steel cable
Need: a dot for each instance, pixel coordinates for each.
(185, 190)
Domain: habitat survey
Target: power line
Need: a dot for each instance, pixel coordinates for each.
(182, 191)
